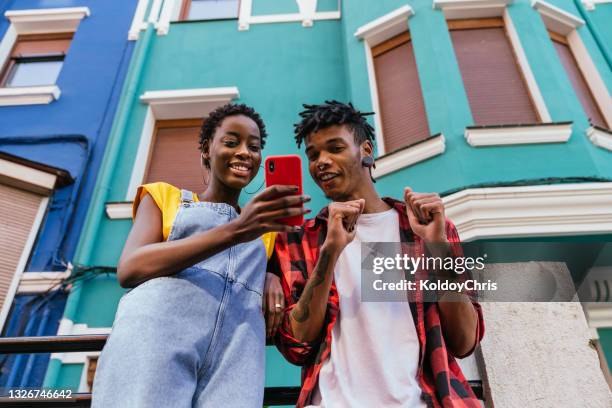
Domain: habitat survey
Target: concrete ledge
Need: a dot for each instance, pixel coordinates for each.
(548, 210)
(556, 19)
(519, 134)
(119, 211)
(410, 155)
(29, 95)
(51, 20)
(385, 27)
(455, 9)
(600, 137)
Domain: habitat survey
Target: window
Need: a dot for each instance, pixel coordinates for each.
(209, 9)
(174, 156)
(35, 60)
(402, 109)
(493, 81)
(577, 79)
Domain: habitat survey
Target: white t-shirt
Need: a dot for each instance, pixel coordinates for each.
(375, 348)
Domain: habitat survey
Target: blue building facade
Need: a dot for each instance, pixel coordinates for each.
(62, 67)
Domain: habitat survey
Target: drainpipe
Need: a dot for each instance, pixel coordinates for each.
(589, 23)
(96, 208)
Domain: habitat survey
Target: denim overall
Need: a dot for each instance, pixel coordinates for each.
(194, 339)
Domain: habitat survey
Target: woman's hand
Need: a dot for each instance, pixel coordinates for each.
(273, 304)
(260, 214)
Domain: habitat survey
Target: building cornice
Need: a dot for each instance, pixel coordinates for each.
(517, 135)
(52, 20)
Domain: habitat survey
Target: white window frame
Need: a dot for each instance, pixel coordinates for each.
(372, 34)
(307, 14)
(590, 4)
(567, 24)
(35, 181)
(172, 104)
(36, 21)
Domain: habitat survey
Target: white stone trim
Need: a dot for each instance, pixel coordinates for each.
(591, 76)
(556, 19)
(503, 136)
(52, 20)
(590, 4)
(408, 156)
(548, 210)
(521, 57)
(599, 315)
(26, 178)
(29, 95)
(372, 34)
(39, 282)
(138, 22)
(385, 27)
(68, 328)
(600, 138)
(165, 16)
(307, 15)
(25, 255)
(456, 9)
(119, 211)
(566, 24)
(7, 43)
(173, 104)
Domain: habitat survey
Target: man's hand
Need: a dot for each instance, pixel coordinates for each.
(426, 215)
(341, 223)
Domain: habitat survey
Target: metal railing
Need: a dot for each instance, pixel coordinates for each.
(273, 396)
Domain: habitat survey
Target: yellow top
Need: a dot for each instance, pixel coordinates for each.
(168, 199)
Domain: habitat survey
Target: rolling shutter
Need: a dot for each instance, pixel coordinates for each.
(402, 108)
(577, 79)
(492, 78)
(175, 157)
(18, 211)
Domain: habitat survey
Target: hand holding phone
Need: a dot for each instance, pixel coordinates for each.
(285, 171)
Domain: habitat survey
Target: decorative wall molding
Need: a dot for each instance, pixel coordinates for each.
(599, 315)
(548, 210)
(173, 104)
(455, 9)
(27, 178)
(68, 328)
(556, 19)
(590, 4)
(37, 282)
(410, 155)
(600, 137)
(119, 211)
(307, 15)
(515, 135)
(385, 27)
(29, 95)
(52, 20)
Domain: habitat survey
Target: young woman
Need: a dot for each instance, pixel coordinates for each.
(191, 333)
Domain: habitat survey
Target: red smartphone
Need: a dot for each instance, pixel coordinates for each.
(285, 170)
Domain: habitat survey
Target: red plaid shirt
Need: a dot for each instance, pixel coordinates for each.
(296, 254)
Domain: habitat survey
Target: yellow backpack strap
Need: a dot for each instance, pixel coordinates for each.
(268, 240)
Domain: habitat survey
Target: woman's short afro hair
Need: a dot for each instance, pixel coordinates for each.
(216, 117)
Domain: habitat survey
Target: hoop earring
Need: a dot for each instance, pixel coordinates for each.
(260, 186)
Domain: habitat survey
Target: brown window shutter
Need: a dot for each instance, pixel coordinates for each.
(402, 108)
(577, 79)
(495, 87)
(18, 209)
(34, 45)
(175, 157)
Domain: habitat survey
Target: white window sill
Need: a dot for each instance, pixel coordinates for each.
(119, 211)
(600, 137)
(29, 95)
(410, 155)
(519, 134)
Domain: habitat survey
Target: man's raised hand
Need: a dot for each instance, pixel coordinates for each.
(341, 223)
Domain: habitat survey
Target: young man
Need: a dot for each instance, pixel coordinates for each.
(354, 353)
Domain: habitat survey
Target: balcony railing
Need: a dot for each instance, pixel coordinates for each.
(273, 396)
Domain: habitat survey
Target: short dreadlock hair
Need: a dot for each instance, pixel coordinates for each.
(317, 117)
(216, 117)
